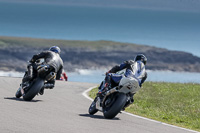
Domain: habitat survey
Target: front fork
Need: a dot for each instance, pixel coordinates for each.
(98, 104)
(22, 91)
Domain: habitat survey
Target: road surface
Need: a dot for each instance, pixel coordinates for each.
(65, 110)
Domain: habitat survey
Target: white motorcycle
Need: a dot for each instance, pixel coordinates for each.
(116, 98)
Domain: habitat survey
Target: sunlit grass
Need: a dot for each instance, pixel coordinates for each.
(37, 42)
(173, 103)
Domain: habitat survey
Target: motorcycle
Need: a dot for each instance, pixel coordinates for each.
(31, 88)
(116, 98)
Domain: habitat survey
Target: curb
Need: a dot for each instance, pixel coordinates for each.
(85, 94)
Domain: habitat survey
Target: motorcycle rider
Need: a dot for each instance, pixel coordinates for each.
(132, 68)
(52, 58)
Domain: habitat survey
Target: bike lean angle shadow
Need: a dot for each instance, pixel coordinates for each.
(20, 99)
(97, 117)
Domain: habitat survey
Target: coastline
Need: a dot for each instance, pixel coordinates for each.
(96, 76)
(16, 51)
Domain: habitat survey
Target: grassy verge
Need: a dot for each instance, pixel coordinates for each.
(173, 103)
(95, 45)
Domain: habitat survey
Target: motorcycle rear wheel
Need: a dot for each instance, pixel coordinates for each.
(116, 107)
(34, 89)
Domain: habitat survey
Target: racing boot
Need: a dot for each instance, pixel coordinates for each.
(46, 86)
(28, 74)
(129, 102)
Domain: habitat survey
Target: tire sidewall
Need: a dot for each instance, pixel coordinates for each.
(116, 107)
(18, 94)
(92, 109)
(34, 89)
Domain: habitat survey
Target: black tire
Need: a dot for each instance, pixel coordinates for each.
(34, 89)
(92, 109)
(116, 107)
(18, 94)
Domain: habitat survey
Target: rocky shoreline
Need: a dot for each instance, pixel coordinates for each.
(15, 52)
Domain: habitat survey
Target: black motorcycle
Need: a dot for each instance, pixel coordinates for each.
(30, 89)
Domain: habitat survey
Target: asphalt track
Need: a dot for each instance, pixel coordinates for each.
(65, 110)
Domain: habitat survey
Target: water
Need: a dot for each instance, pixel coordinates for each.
(168, 29)
(96, 76)
(11, 74)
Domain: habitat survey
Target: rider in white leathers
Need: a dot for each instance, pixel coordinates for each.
(132, 68)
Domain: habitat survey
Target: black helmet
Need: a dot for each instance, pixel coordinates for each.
(55, 49)
(141, 57)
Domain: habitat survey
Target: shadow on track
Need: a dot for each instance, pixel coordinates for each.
(20, 99)
(97, 116)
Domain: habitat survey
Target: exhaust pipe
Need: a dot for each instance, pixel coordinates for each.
(42, 69)
(50, 76)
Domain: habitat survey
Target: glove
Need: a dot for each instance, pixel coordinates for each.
(31, 61)
(107, 73)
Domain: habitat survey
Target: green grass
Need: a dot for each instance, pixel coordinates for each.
(93, 45)
(174, 103)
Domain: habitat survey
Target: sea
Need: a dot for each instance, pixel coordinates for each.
(96, 76)
(174, 30)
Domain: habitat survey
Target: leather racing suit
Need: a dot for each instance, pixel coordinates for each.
(132, 68)
(51, 58)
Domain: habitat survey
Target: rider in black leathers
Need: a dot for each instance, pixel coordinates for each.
(52, 58)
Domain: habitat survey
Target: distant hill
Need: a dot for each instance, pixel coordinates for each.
(15, 52)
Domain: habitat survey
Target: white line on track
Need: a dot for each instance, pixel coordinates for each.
(85, 94)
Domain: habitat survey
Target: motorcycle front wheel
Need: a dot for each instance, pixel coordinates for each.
(92, 109)
(18, 94)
